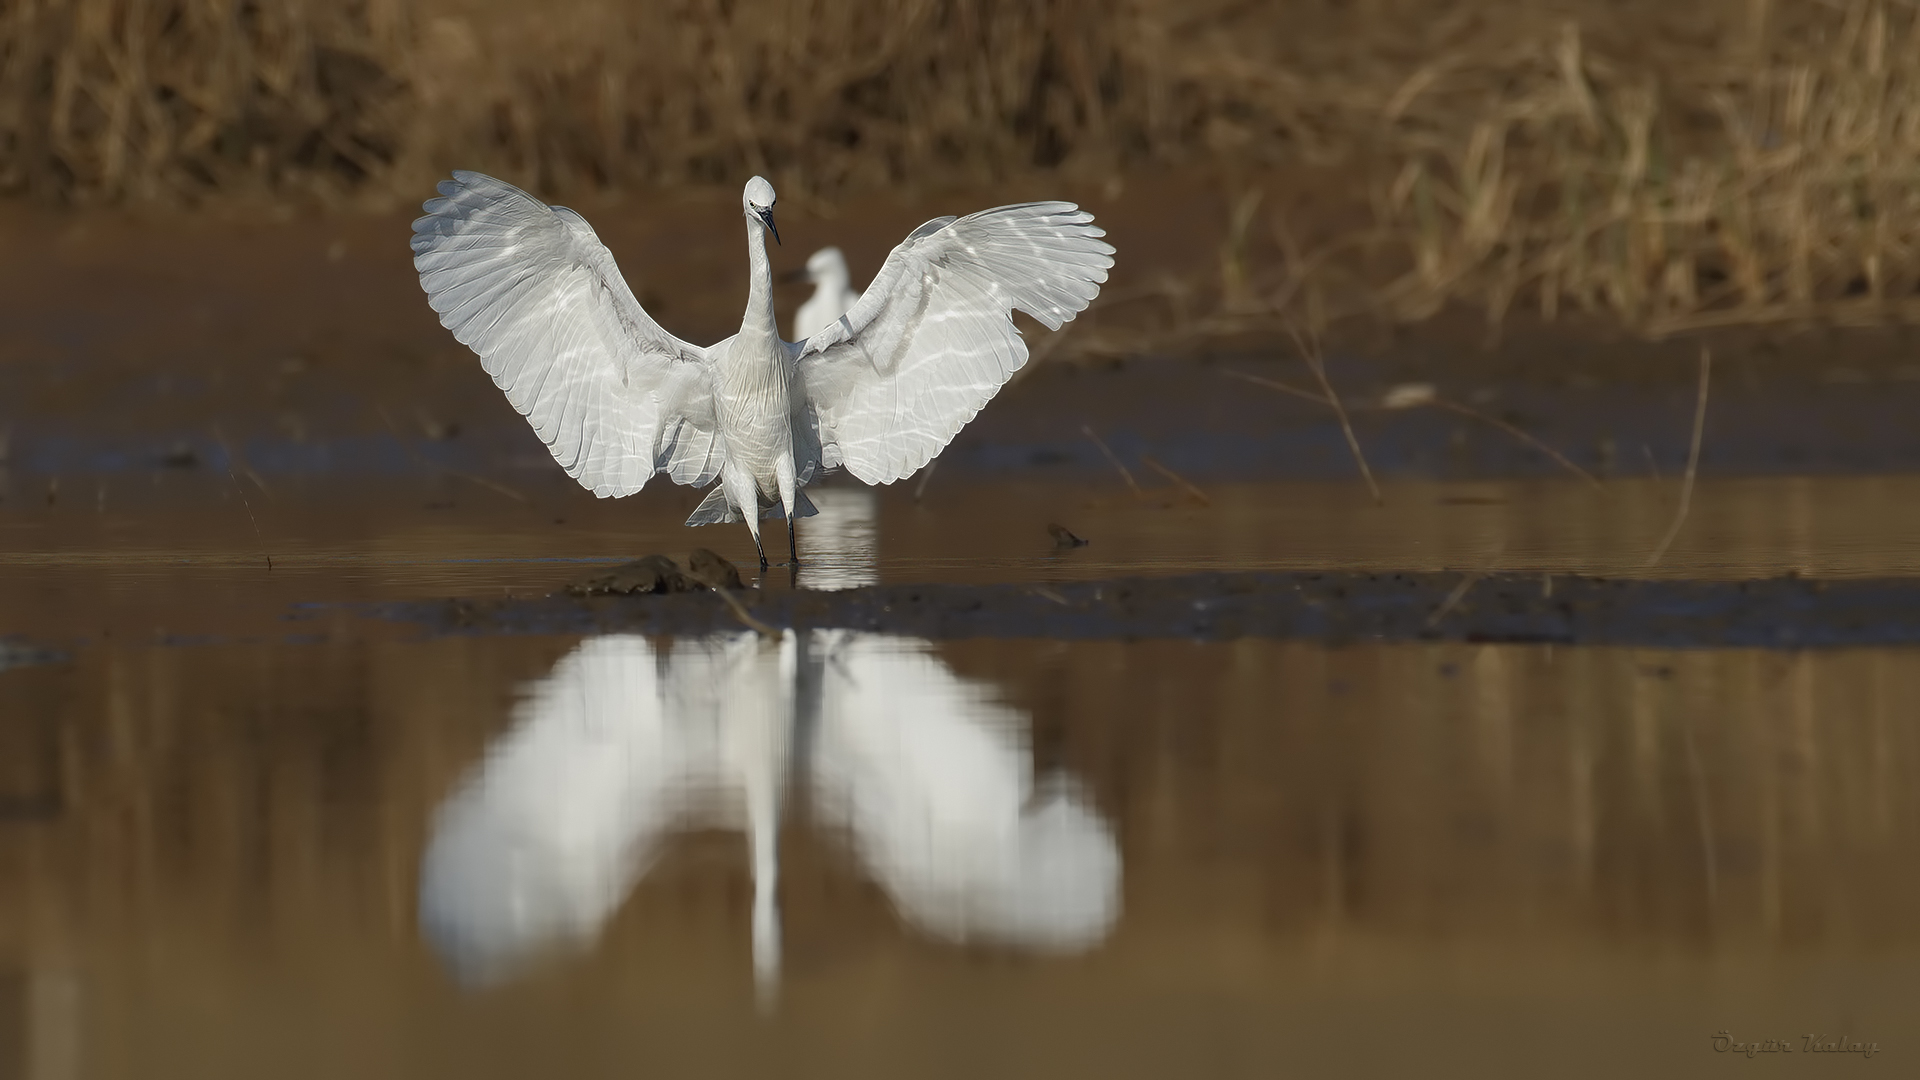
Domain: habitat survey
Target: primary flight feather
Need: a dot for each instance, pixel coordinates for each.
(878, 391)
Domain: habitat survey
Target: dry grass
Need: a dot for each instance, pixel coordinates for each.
(108, 99)
(1674, 166)
(105, 99)
(1743, 193)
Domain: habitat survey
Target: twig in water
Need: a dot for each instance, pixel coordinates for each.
(1696, 779)
(1124, 474)
(1271, 384)
(1693, 461)
(1651, 463)
(227, 453)
(1312, 357)
(1149, 461)
(246, 470)
(1458, 594)
(482, 481)
(926, 474)
(1463, 410)
(1427, 398)
(740, 612)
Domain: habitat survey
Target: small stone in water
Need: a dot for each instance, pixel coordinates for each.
(1063, 538)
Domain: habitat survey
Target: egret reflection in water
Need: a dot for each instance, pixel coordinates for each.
(626, 743)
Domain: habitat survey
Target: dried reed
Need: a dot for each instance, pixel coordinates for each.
(1678, 167)
(1112, 459)
(1693, 463)
(1740, 193)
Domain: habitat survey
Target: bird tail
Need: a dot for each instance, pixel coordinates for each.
(802, 507)
(716, 510)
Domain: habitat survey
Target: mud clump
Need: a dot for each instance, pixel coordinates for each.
(651, 574)
(1340, 607)
(1064, 538)
(709, 568)
(659, 574)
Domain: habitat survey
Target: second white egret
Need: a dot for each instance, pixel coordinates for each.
(833, 293)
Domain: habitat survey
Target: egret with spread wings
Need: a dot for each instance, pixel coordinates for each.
(878, 392)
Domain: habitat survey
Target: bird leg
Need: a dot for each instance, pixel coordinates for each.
(793, 548)
(761, 550)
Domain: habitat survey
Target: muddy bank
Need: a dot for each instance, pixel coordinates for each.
(1782, 613)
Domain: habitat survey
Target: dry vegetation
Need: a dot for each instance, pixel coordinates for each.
(1773, 189)
(1674, 166)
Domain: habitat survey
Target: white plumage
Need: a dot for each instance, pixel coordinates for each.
(833, 293)
(878, 391)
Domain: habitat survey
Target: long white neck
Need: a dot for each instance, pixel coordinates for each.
(758, 321)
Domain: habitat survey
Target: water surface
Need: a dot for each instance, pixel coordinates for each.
(238, 844)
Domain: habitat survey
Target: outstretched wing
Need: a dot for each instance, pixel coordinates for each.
(932, 339)
(534, 292)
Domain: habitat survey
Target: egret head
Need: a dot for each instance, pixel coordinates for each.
(827, 264)
(757, 203)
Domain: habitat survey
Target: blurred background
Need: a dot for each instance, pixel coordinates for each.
(1672, 166)
(1423, 288)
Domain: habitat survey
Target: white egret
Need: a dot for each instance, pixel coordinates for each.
(879, 392)
(833, 293)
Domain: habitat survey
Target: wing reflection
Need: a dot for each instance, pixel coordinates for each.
(618, 746)
(625, 743)
(934, 781)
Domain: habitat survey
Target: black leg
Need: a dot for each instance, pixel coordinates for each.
(762, 551)
(793, 548)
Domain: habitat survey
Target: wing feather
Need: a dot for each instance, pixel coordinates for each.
(538, 297)
(932, 339)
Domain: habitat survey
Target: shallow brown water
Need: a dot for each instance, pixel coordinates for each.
(198, 563)
(1376, 859)
(1447, 859)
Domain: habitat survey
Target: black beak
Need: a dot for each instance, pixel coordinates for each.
(795, 276)
(767, 216)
